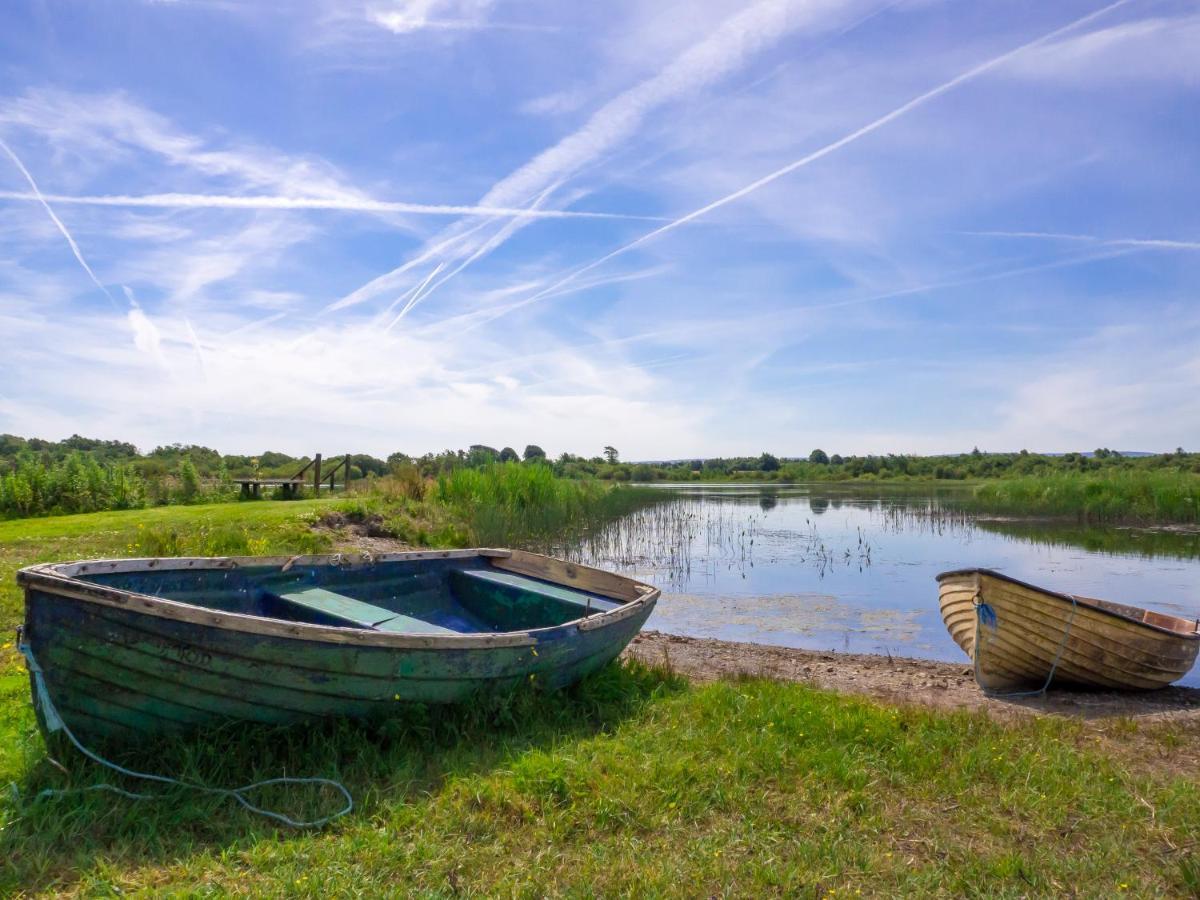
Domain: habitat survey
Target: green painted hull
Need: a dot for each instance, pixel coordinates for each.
(115, 670)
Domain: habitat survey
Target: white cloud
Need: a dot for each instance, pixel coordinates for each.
(409, 16)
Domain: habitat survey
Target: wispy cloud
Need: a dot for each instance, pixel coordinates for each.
(105, 129)
(725, 50)
(1162, 48)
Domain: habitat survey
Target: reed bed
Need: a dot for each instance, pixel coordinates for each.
(1133, 497)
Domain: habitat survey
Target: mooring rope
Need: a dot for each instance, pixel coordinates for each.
(54, 722)
(985, 615)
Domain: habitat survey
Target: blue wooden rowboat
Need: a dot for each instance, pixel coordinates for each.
(142, 646)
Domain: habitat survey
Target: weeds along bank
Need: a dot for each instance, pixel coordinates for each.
(1136, 496)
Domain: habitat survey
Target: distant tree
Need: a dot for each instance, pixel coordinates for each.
(610, 454)
(481, 455)
(189, 480)
(533, 451)
(818, 456)
(768, 463)
(976, 453)
(508, 454)
(836, 460)
(1102, 453)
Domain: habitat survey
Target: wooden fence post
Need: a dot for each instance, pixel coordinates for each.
(317, 476)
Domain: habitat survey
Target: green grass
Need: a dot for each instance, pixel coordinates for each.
(630, 783)
(1133, 496)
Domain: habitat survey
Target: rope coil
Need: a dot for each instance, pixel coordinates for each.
(54, 722)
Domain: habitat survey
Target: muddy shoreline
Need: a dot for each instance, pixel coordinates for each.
(897, 679)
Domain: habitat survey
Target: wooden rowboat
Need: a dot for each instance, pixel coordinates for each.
(137, 646)
(1029, 636)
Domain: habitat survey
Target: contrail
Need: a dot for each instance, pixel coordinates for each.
(388, 279)
(981, 279)
(724, 50)
(350, 204)
(502, 235)
(820, 153)
(40, 198)
(415, 295)
(1150, 243)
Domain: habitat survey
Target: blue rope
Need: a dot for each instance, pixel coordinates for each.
(985, 615)
(54, 722)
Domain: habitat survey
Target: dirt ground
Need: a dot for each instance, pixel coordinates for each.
(1155, 733)
(897, 679)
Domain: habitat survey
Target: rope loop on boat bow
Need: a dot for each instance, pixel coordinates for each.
(54, 722)
(985, 615)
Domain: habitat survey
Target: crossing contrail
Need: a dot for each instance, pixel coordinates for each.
(815, 155)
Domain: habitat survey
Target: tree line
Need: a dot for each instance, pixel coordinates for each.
(40, 477)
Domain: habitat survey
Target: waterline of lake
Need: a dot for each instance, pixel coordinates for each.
(852, 569)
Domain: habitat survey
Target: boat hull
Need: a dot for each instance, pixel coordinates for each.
(1083, 642)
(116, 670)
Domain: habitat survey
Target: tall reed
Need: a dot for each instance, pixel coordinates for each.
(514, 503)
(1131, 496)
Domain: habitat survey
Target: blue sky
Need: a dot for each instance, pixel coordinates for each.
(682, 228)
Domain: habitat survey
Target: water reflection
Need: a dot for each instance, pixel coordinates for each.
(852, 568)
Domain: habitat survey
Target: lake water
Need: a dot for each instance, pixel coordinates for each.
(852, 569)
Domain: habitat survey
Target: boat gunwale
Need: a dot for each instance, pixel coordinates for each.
(62, 579)
(1090, 603)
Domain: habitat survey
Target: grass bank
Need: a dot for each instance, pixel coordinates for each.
(1143, 497)
(631, 783)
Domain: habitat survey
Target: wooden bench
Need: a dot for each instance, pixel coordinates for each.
(514, 602)
(356, 614)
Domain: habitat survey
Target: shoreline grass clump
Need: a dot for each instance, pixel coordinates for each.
(501, 504)
(1142, 497)
(511, 502)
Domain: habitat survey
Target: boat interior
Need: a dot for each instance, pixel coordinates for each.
(1149, 617)
(427, 597)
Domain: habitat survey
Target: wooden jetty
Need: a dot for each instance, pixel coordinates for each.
(252, 486)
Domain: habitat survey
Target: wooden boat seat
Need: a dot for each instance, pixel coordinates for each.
(348, 611)
(519, 602)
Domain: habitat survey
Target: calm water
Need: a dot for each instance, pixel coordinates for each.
(852, 569)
